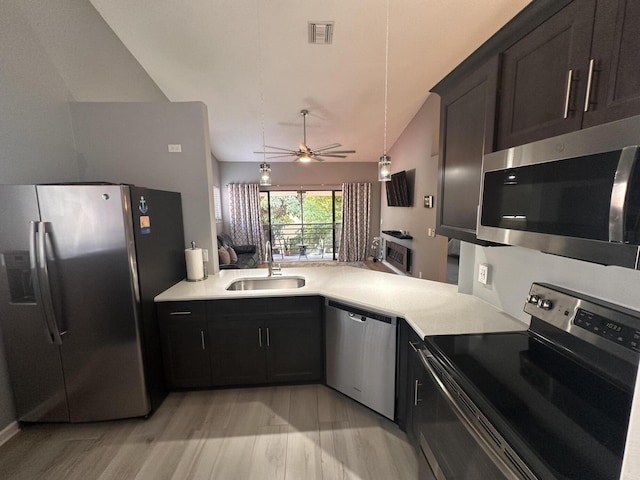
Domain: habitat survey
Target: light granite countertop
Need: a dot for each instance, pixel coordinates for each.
(431, 308)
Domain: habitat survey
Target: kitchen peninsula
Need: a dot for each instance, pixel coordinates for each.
(430, 308)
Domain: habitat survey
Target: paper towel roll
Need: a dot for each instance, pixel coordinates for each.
(195, 266)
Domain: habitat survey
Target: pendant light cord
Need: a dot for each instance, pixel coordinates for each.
(260, 81)
(386, 79)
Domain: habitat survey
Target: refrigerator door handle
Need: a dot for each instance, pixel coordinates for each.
(35, 278)
(45, 286)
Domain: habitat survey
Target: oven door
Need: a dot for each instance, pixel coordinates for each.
(457, 440)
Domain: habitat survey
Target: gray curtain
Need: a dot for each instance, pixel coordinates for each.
(356, 208)
(244, 212)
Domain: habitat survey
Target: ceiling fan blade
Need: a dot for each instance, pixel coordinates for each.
(276, 153)
(327, 147)
(282, 156)
(317, 159)
(331, 155)
(338, 151)
(279, 148)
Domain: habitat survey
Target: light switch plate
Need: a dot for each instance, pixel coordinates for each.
(428, 201)
(174, 148)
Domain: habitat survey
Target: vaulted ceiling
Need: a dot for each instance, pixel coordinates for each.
(251, 64)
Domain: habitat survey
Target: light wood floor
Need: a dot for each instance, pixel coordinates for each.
(292, 433)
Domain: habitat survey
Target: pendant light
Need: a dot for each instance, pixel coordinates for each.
(384, 164)
(265, 168)
(265, 175)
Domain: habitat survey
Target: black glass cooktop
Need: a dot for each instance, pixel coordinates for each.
(565, 421)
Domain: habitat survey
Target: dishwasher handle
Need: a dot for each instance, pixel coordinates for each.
(357, 318)
(366, 315)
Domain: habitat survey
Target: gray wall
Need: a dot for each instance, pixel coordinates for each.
(52, 53)
(416, 151)
(513, 269)
(128, 143)
(299, 175)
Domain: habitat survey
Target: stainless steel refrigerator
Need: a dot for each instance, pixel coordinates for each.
(80, 265)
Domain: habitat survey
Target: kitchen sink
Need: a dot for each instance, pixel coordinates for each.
(268, 283)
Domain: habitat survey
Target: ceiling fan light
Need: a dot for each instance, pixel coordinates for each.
(304, 158)
(384, 168)
(265, 175)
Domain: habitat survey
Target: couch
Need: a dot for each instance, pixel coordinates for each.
(247, 254)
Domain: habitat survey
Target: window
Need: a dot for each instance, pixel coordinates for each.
(217, 205)
(303, 225)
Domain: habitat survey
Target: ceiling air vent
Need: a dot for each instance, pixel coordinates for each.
(321, 33)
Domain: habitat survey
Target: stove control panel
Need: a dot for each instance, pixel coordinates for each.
(605, 327)
(598, 322)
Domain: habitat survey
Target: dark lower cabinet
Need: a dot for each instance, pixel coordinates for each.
(415, 402)
(294, 348)
(185, 346)
(415, 389)
(266, 340)
(242, 342)
(237, 351)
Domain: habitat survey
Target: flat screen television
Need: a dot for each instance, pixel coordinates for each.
(398, 190)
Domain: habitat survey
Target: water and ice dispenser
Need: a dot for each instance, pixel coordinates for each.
(19, 276)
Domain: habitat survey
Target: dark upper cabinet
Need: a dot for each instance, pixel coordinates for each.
(185, 349)
(467, 115)
(544, 78)
(615, 58)
(557, 67)
(578, 69)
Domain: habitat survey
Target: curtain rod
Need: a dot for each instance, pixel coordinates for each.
(327, 186)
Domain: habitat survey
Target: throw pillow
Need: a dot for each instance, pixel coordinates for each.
(233, 255)
(224, 256)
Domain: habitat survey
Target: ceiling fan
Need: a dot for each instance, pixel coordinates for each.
(304, 153)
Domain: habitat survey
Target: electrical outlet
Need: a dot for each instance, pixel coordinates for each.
(174, 148)
(431, 232)
(483, 273)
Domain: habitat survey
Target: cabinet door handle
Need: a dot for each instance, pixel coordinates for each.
(587, 98)
(260, 336)
(180, 313)
(202, 338)
(268, 338)
(568, 97)
(415, 393)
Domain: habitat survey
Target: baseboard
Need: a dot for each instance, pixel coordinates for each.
(8, 432)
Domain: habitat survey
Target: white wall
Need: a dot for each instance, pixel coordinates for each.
(298, 175)
(128, 143)
(417, 149)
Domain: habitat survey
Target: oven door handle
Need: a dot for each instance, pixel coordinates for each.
(478, 426)
(619, 193)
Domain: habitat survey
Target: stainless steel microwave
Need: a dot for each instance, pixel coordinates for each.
(575, 195)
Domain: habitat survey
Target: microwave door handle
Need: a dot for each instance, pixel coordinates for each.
(619, 193)
(45, 290)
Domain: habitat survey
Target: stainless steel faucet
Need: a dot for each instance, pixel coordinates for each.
(272, 270)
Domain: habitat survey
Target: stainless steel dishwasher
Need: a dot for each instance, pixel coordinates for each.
(361, 355)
